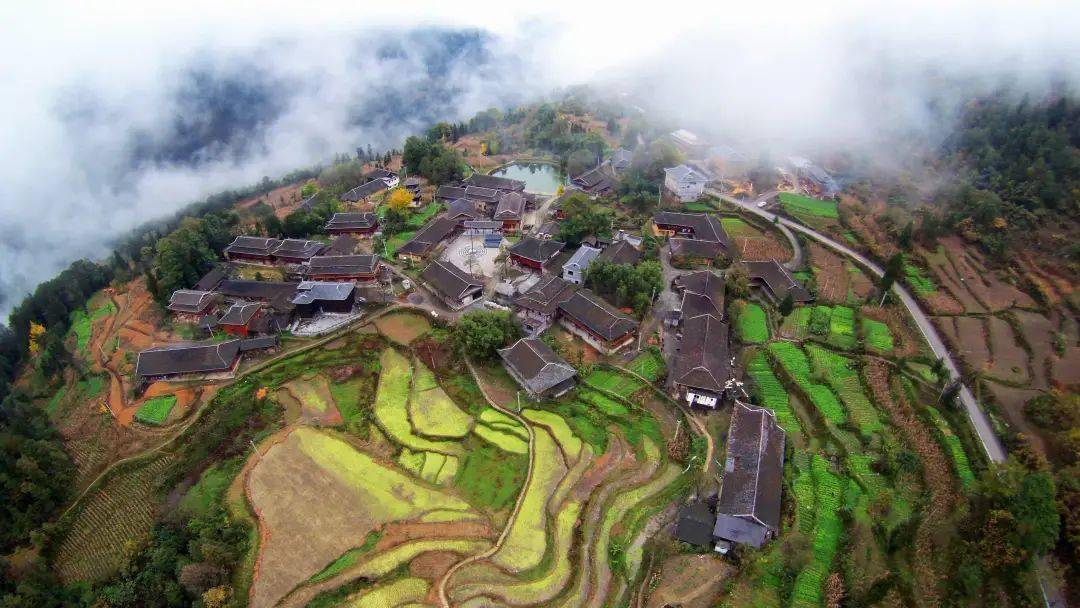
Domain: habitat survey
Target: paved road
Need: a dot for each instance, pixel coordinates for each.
(796, 261)
(990, 442)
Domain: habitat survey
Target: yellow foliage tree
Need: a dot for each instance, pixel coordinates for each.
(400, 199)
(36, 331)
(216, 597)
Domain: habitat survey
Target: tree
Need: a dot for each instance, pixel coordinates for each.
(582, 219)
(787, 305)
(308, 189)
(189, 252)
(394, 222)
(479, 334)
(399, 199)
(736, 282)
(893, 269)
(626, 285)
(581, 161)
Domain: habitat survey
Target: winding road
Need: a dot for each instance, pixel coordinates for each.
(989, 440)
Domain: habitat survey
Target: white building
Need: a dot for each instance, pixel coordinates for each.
(685, 183)
(574, 270)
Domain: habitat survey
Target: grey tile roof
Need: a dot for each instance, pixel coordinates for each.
(704, 358)
(703, 226)
(620, 252)
(535, 365)
(435, 232)
(189, 300)
(187, 358)
(449, 280)
(462, 208)
(753, 472)
(362, 263)
(363, 191)
(591, 311)
(546, 295)
(255, 290)
(239, 313)
(703, 294)
(298, 248)
(537, 250)
(695, 248)
(777, 279)
(494, 182)
(450, 193)
(511, 206)
(353, 221)
(325, 291)
(252, 245)
(695, 524)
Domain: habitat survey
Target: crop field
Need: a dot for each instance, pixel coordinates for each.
(844, 380)
(842, 327)
(620, 384)
(431, 412)
(156, 409)
(751, 325)
(649, 365)
(119, 514)
(82, 324)
(953, 447)
(877, 335)
(403, 327)
(918, 281)
(809, 209)
(795, 363)
(394, 242)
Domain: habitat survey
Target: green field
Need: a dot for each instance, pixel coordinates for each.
(795, 363)
(796, 204)
(751, 325)
(738, 227)
(877, 335)
(918, 281)
(649, 365)
(953, 447)
(156, 410)
(395, 241)
(842, 327)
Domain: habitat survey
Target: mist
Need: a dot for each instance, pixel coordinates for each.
(117, 116)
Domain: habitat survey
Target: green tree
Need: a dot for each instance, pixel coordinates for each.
(582, 219)
(787, 305)
(308, 189)
(893, 269)
(479, 334)
(189, 252)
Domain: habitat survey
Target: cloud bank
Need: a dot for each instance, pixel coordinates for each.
(115, 116)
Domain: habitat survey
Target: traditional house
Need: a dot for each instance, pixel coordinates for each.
(538, 306)
(449, 194)
(317, 297)
(364, 191)
(262, 291)
(599, 180)
(702, 294)
(297, 251)
(495, 183)
(685, 183)
(427, 239)
(343, 244)
(212, 279)
(186, 359)
(485, 199)
(462, 210)
(620, 252)
(693, 251)
(620, 160)
(695, 524)
(542, 373)
(412, 184)
(587, 316)
(356, 267)
(191, 303)
(705, 229)
(456, 287)
(748, 510)
(510, 211)
(238, 319)
(775, 282)
(702, 367)
(389, 178)
(548, 230)
(574, 270)
(534, 254)
(361, 224)
(251, 249)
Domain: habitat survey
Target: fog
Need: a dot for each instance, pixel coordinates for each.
(115, 116)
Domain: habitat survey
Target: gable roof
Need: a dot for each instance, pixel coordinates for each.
(364, 190)
(546, 295)
(353, 221)
(703, 294)
(583, 257)
(536, 365)
(449, 280)
(239, 313)
(777, 279)
(211, 279)
(187, 358)
(685, 174)
(597, 315)
(704, 226)
(495, 182)
(252, 245)
(450, 193)
(695, 524)
(620, 252)
(342, 244)
(255, 290)
(380, 174)
(364, 263)
(704, 358)
(462, 208)
(298, 248)
(695, 248)
(753, 468)
(537, 250)
(621, 158)
(429, 236)
(189, 300)
(511, 206)
(325, 291)
(479, 193)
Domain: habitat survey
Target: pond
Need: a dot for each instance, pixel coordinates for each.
(541, 178)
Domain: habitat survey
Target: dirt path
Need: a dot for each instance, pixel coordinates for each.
(439, 589)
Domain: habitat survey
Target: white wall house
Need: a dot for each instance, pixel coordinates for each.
(685, 183)
(574, 269)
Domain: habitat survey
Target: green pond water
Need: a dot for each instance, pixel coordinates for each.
(541, 178)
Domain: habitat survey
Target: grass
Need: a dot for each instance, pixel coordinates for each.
(877, 335)
(502, 438)
(396, 593)
(698, 207)
(394, 242)
(568, 442)
(420, 217)
(737, 227)
(526, 541)
(391, 407)
(602, 402)
(348, 559)
(649, 365)
(828, 490)
(211, 487)
(491, 478)
(82, 323)
(751, 325)
(156, 410)
(805, 205)
(54, 403)
(794, 361)
(620, 384)
(347, 397)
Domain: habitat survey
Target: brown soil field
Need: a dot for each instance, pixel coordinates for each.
(1010, 360)
(403, 327)
(1012, 402)
(317, 405)
(862, 218)
(833, 278)
(397, 533)
(984, 285)
(690, 581)
(1054, 287)
(433, 564)
(1039, 331)
(948, 281)
(1067, 369)
(283, 200)
(970, 336)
